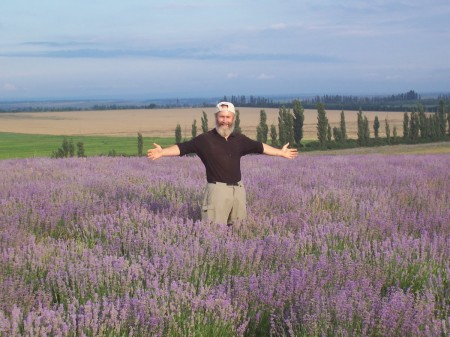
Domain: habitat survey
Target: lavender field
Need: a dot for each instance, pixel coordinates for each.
(355, 245)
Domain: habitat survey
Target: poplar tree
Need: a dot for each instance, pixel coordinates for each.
(299, 118)
(262, 129)
(414, 127)
(80, 150)
(71, 148)
(204, 122)
(376, 127)
(435, 127)
(273, 135)
(366, 131)
(322, 125)
(405, 126)
(178, 134)
(329, 133)
(237, 122)
(429, 127)
(360, 128)
(387, 131)
(194, 128)
(285, 126)
(448, 118)
(337, 134)
(442, 119)
(343, 126)
(422, 122)
(140, 144)
(65, 147)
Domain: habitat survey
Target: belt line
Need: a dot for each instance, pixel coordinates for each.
(228, 184)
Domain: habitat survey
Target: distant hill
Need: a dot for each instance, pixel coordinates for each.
(395, 102)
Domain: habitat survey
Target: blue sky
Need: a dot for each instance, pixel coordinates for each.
(51, 49)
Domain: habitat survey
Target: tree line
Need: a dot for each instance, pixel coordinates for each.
(395, 102)
(398, 102)
(417, 127)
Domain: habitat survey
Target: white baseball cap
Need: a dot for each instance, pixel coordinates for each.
(225, 106)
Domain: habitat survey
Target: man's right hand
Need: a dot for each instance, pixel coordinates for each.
(155, 153)
(159, 152)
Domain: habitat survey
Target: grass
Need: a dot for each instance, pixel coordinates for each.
(425, 148)
(15, 145)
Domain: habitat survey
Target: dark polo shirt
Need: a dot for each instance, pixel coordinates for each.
(221, 157)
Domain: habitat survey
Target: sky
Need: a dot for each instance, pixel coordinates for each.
(96, 49)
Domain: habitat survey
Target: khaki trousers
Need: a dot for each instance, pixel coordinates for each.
(224, 204)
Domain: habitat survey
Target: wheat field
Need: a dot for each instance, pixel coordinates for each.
(162, 122)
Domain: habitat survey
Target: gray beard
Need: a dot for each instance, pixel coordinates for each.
(225, 131)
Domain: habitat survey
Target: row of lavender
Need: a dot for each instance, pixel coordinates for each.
(333, 246)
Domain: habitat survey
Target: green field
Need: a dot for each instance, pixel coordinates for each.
(15, 145)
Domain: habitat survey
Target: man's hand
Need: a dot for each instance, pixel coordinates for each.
(159, 152)
(283, 152)
(155, 153)
(288, 153)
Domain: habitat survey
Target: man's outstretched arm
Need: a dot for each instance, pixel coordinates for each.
(159, 152)
(283, 152)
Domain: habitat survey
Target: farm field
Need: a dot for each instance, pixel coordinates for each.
(342, 245)
(18, 145)
(162, 122)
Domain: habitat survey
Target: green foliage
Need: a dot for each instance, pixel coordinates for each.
(387, 131)
(360, 128)
(329, 133)
(442, 119)
(194, 129)
(80, 150)
(423, 125)
(366, 131)
(204, 122)
(394, 133)
(237, 122)
(343, 126)
(418, 127)
(322, 125)
(140, 144)
(376, 127)
(178, 134)
(285, 126)
(337, 134)
(414, 128)
(66, 150)
(273, 135)
(448, 117)
(112, 153)
(299, 118)
(363, 129)
(405, 125)
(262, 130)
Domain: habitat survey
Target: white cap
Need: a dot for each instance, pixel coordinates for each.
(225, 106)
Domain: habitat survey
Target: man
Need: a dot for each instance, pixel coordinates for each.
(221, 150)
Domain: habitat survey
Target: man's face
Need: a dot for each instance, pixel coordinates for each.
(224, 123)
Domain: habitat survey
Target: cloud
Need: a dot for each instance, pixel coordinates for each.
(232, 75)
(9, 87)
(192, 53)
(279, 26)
(264, 77)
